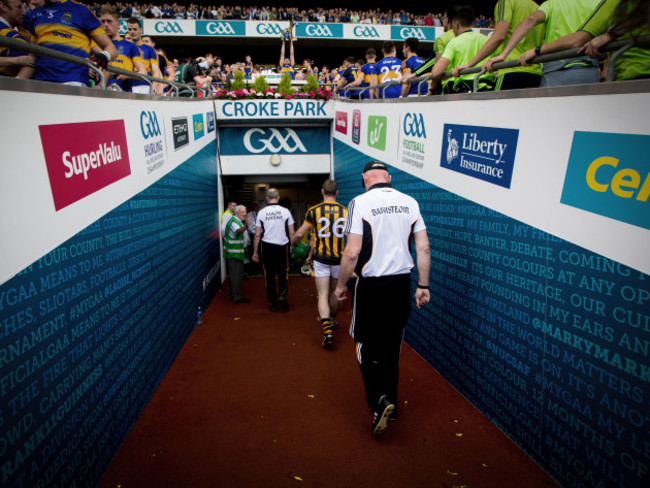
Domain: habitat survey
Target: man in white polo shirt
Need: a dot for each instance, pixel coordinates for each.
(274, 229)
(379, 227)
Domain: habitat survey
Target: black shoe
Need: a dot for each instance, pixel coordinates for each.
(273, 308)
(241, 300)
(328, 341)
(382, 413)
(393, 416)
(282, 301)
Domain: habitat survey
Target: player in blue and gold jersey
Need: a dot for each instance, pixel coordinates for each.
(67, 27)
(389, 68)
(248, 67)
(327, 221)
(13, 62)
(409, 66)
(149, 58)
(128, 54)
(367, 75)
(287, 65)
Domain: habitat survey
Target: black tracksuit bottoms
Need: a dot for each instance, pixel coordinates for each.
(381, 309)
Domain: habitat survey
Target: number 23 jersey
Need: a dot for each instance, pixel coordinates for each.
(328, 222)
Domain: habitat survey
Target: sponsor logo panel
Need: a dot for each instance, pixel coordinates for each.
(377, 132)
(209, 119)
(319, 30)
(608, 174)
(486, 153)
(154, 145)
(199, 127)
(413, 136)
(166, 27)
(421, 33)
(366, 32)
(82, 158)
(341, 122)
(181, 132)
(220, 28)
(356, 126)
(273, 140)
(269, 29)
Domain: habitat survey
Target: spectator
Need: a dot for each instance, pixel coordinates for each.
(509, 14)
(149, 58)
(560, 18)
(459, 51)
(14, 63)
(128, 55)
(188, 73)
(409, 66)
(48, 21)
(389, 69)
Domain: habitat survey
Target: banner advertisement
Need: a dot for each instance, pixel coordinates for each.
(272, 109)
(539, 271)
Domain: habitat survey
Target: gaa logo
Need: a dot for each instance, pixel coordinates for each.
(123, 27)
(414, 125)
(360, 31)
(168, 28)
(269, 29)
(149, 124)
(222, 28)
(407, 32)
(319, 30)
(274, 143)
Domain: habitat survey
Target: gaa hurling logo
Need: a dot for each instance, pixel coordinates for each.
(360, 31)
(269, 29)
(149, 124)
(168, 28)
(276, 142)
(320, 30)
(414, 125)
(83, 158)
(406, 32)
(221, 28)
(377, 132)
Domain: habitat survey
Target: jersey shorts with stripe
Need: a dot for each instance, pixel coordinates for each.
(328, 223)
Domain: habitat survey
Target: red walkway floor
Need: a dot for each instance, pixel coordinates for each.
(253, 400)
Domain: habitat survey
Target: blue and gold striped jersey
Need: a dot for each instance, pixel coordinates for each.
(11, 33)
(248, 70)
(148, 56)
(287, 68)
(327, 220)
(409, 66)
(67, 27)
(389, 69)
(127, 55)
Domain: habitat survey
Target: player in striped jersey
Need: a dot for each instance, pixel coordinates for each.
(409, 66)
(128, 54)
(67, 27)
(327, 221)
(389, 68)
(149, 58)
(12, 62)
(367, 75)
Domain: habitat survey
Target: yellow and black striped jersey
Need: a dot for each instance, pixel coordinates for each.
(328, 223)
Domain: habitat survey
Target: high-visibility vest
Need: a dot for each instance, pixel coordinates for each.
(233, 247)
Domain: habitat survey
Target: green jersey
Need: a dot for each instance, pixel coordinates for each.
(633, 63)
(563, 17)
(460, 50)
(514, 12)
(442, 41)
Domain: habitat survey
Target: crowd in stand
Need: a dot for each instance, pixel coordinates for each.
(523, 30)
(339, 15)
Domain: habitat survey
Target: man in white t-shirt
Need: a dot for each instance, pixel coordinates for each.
(379, 226)
(274, 230)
